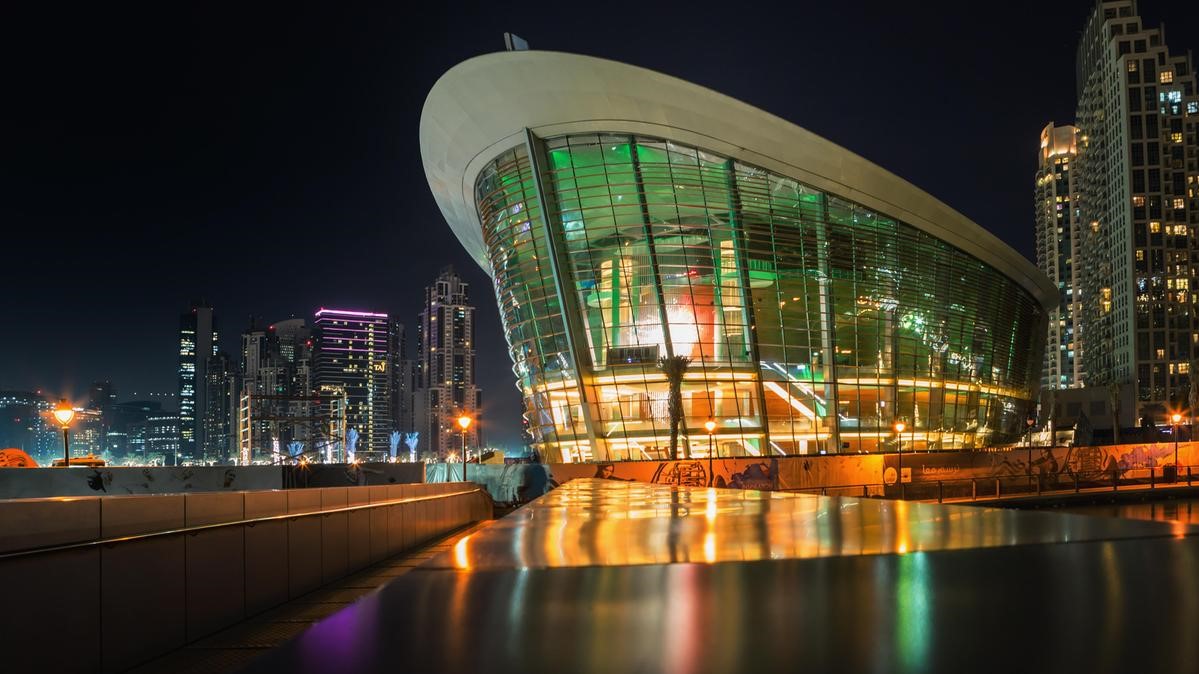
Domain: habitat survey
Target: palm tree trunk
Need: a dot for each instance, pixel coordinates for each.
(674, 367)
(1113, 391)
(1193, 398)
(677, 418)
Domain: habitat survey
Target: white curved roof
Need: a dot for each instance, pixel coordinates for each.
(480, 108)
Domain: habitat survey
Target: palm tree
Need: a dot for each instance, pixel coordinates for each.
(1113, 393)
(674, 367)
(1193, 398)
(1051, 421)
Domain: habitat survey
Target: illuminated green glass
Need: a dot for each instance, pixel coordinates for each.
(813, 324)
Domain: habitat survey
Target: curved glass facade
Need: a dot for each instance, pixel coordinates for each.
(813, 324)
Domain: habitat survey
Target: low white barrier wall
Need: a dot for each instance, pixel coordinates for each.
(84, 606)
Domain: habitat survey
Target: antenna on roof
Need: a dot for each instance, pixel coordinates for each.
(513, 42)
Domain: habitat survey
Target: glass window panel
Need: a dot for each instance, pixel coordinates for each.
(855, 319)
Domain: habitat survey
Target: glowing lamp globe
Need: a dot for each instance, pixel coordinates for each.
(899, 426)
(710, 426)
(63, 412)
(1176, 417)
(464, 422)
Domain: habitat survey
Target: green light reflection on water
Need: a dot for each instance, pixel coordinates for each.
(913, 600)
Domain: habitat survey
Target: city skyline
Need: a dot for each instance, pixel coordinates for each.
(279, 137)
(1117, 211)
(470, 337)
(339, 387)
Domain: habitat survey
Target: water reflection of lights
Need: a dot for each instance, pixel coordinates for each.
(682, 621)
(710, 547)
(902, 518)
(601, 522)
(1180, 529)
(710, 532)
(461, 554)
(914, 599)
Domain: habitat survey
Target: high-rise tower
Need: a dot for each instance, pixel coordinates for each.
(1136, 177)
(197, 342)
(353, 356)
(1058, 232)
(403, 378)
(276, 417)
(446, 373)
(100, 399)
(27, 424)
(221, 387)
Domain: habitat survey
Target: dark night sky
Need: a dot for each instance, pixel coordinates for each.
(266, 158)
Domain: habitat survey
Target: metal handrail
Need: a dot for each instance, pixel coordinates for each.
(220, 525)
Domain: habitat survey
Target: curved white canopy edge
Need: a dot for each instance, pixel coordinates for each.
(480, 108)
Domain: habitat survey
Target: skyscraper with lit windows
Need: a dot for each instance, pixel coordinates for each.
(197, 342)
(221, 389)
(447, 366)
(403, 379)
(1059, 229)
(353, 356)
(27, 424)
(1136, 173)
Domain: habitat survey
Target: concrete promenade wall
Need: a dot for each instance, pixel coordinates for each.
(114, 480)
(523, 482)
(103, 608)
(1055, 464)
(844, 474)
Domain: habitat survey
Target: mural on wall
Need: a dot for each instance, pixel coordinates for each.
(1053, 465)
(522, 482)
(731, 473)
(777, 473)
(507, 483)
(99, 480)
(42, 482)
(350, 474)
(1056, 467)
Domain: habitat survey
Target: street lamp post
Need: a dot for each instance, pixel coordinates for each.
(1176, 418)
(899, 426)
(710, 427)
(464, 423)
(64, 413)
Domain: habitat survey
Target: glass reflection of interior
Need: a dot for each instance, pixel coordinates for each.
(812, 324)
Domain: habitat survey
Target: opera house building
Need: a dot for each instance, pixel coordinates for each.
(824, 303)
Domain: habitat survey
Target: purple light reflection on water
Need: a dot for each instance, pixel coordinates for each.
(337, 642)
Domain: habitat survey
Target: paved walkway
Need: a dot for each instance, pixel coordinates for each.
(234, 648)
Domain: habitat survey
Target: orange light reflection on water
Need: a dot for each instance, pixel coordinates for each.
(461, 554)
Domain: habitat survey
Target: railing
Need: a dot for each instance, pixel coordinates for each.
(109, 602)
(193, 530)
(1020, 485)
